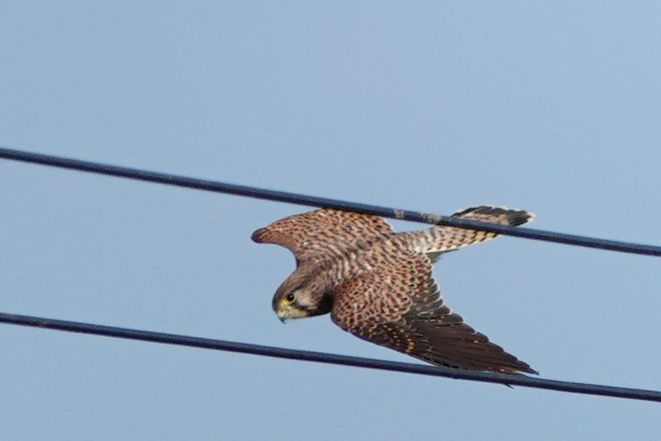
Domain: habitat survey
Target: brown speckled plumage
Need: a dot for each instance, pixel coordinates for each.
(378, 284)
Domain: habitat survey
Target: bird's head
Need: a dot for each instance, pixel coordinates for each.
(299, 297)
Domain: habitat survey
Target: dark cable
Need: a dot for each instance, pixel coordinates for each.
(301, 199)
(320, 357)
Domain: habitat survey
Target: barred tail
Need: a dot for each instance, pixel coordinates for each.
(438, 240)
(496, 215)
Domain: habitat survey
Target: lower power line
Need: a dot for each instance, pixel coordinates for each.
(320, 357)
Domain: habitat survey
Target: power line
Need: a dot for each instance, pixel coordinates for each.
(321, 357)
(300, 199)
(307, 200)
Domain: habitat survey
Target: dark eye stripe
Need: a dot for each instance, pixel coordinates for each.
(306, 308)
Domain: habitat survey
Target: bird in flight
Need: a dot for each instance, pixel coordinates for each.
(378, 285)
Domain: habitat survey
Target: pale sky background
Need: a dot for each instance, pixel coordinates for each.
(437, 106)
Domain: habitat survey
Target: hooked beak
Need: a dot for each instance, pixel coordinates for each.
(282, 316)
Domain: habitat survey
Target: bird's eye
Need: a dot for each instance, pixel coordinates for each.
(290, 297)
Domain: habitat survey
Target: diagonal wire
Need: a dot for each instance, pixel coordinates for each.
(307, 200)
(321, 357)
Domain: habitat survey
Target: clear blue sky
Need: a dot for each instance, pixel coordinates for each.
(436, 106)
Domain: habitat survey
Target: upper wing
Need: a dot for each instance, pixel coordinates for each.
(321, 233)
(400, 307)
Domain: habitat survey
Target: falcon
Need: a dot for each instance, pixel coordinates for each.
(378, 285)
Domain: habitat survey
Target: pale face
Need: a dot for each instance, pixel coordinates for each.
(297, 298)
(287, 307)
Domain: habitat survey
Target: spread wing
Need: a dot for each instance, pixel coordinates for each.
(400, 307)
(323, 233)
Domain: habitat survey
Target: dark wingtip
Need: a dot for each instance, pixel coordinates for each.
(257, 235)
(519, 368)
(523, 367)
(529, 370)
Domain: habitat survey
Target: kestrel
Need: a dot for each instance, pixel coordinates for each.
(378, 284)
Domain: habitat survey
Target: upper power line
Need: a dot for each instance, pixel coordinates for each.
(314, 201)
